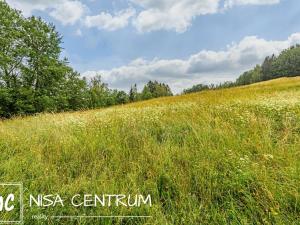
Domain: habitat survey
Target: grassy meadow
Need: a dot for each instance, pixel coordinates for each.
(228, 156)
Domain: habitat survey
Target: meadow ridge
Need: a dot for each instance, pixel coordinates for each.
(229, 156)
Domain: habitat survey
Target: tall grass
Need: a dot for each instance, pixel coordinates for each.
(218, 157)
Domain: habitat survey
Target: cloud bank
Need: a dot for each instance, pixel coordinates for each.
(231, 3)
(178, 15)
(152, 15)
(171, 14)
(67, 12)
(106, 21)
(203, 67)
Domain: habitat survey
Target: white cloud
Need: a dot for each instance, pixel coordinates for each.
(28, 6)
(78, 32)
(65, 11)
(171, 14)
(178, 15)
(68, 12)
(205, 66)
(153, 15)
(106, 21)
(231, 3)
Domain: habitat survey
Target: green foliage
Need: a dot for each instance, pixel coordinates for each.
(98, 92)
(267, 72)
(287, 64)
(121, 97)
(101, 96)
(152, 89)
(34, 78)
(204, 87)
(146, 93)
(251, 76)
(133, 93)
(196, 88)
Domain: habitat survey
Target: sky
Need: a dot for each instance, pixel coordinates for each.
(179, 42)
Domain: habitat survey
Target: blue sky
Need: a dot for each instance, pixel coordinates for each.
(181, 42)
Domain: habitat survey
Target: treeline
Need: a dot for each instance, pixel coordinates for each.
(150, 90)
(99, 95)
(287, 64)
(34, 78)
(204, 87)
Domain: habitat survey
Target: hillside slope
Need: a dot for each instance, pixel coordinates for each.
(215, 157)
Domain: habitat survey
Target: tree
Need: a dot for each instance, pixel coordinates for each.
(251, 76)
(99, 93)
(12, 48)
(196, 88)
(287, 63)
(146, 93)
(33, 78)
(75, 92)
(133, 93)
(267, 67)
(154, 89)
(12, 55)
(122, 97)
